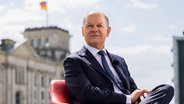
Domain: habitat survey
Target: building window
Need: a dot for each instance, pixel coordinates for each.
(39, 42)
(36, 80)
(35, 95)
(32, 42)
(47, 44)
(16, 76)
(19, 75)
(49, 95)
(17, 97)
(22, 75)
(42, 95)
(1, 94)
(42, 81)
(50, 79)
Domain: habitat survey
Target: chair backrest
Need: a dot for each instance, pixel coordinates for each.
(59, 92)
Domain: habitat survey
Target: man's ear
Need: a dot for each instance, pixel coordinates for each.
(82, 29)
(108, 30)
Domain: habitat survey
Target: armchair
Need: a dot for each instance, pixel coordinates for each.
(59, 92)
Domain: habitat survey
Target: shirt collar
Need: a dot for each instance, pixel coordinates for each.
(93, 50)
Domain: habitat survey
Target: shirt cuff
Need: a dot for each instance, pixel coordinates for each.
(128, 99)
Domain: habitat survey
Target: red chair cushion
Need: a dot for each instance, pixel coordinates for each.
(59, 92)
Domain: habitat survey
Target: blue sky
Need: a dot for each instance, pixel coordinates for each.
(142, 30)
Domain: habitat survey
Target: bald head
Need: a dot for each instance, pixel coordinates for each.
(96, 12)
(95, 29)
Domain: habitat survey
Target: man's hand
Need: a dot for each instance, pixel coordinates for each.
(138, 94)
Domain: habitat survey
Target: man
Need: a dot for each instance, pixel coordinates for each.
(95, 76)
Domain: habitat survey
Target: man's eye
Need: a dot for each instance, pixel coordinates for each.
(99, 26)
(89, 26)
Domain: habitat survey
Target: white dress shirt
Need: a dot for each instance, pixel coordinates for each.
(94, 52)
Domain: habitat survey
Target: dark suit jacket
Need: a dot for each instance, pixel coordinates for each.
(88, 83)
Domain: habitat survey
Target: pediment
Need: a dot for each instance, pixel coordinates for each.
(24, 50)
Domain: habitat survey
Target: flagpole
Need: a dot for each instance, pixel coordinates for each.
(44, 7)
(47, 14)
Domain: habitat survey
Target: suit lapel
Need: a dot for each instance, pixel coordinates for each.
(119, 71)
(91, 61)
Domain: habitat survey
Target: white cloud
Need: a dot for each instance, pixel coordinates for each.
(15, 20)
(147, 63)
(142, 49)
(172, 26)
(129, 28)
(63, 6)
(2, 8)
(12, 35)
(140, 5)
(160, 38)
(22, 16)
(30, 13)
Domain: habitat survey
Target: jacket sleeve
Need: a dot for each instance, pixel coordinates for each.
(82, 89)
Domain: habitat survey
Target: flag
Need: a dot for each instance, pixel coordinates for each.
(43, 5)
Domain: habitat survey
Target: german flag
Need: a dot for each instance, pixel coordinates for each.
(43, 5)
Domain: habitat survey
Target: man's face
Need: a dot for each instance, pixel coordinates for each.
(95, 30)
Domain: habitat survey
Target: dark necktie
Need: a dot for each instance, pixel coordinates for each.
(109, 72)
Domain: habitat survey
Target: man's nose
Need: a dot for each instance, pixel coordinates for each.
(94, 28)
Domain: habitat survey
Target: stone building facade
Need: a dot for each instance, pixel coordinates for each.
(50, 42)
(26, 69)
